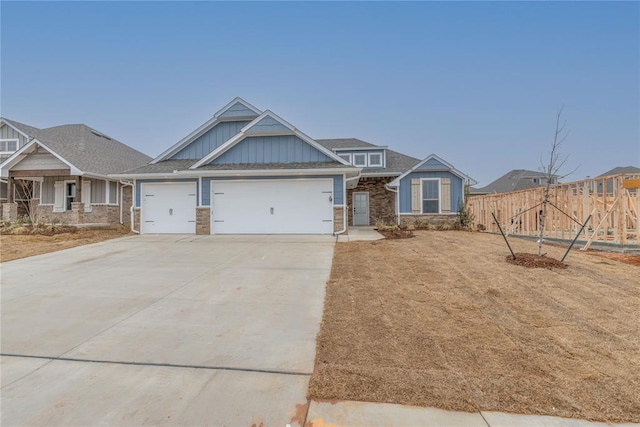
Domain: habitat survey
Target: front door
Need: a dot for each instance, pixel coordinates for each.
(360, 208)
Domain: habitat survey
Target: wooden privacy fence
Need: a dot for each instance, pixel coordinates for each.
(613, 201)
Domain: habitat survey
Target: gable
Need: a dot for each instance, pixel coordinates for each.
(39, 160)
(238, 110)
(271, 149)
(267, 125)
(210, 140)
(433, 164)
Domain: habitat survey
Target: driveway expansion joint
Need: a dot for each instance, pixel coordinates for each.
(162, 365)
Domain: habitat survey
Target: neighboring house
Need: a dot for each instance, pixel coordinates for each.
(63, 172)
(515, 180)
(607, 178)
(250, 171)
(620, 170)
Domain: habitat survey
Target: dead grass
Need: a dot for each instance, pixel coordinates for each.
(22, 246)
(443, 320)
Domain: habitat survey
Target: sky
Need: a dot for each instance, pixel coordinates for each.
(477, 83)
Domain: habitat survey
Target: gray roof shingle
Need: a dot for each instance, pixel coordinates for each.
(621, 169)
(517, 179)
(87, 149)
(397, 163)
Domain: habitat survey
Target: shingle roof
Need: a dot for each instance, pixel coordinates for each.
(87, 149)
(621, 169)
(511, 181)
(397, 163)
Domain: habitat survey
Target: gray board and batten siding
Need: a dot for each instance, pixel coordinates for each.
(271, 149)
(238, 110)
(431, 169)
(210, 140)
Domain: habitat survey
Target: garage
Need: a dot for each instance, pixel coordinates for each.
(300, 206)
(168, 208)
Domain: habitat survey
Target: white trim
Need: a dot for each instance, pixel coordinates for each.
(14, 128)
(422, 199)
(242, 135)
(205, 127)
(371, 165)
(238, 173)
(16, 140)
(372, 147)
(15, 159)
(107, 190)
(464, 177)
(364, 165)
(345, 154)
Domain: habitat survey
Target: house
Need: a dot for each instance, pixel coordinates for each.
(620, 170)
(247, 171)
(607, 178)
(515, 180)
(63, 172)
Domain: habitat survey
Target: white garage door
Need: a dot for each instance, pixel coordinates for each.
(272, 207)
(168, 208)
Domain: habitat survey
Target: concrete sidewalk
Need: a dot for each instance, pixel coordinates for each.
(356, 234)
(349, 413)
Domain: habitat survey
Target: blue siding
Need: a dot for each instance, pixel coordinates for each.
(238, 110)
(405, 188)
(210, 140)
(271, 149)
(268, 124)
(146, 181)
(432, 164)
(338, 194)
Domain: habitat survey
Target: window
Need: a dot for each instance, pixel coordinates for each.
(375, 159)
(430, 196)
(70, 195)
(8, 145)
(360, 159)
(346, 157)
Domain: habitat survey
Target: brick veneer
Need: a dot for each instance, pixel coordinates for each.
(381, 201)
(203, 220)
(136, 219)
(127, 201)
(338, 218)
(9, 211)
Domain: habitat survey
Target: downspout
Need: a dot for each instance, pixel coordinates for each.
(344, 204)
(133, 198)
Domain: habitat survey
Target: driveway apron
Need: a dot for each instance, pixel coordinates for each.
(185, 330)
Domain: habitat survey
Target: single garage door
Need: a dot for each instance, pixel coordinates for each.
(302, 206)
(168, 208)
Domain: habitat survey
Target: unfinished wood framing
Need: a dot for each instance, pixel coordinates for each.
(613, 201)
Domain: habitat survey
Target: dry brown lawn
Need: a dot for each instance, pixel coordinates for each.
(442, 320)
(22, 246)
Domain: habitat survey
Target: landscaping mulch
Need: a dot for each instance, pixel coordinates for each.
(535, 261)
(441, 320)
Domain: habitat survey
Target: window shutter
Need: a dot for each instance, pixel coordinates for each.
(416, 197)
(445, 192)
(86, 195)
(58, 196)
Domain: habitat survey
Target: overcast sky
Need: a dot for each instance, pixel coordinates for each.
(478, 84)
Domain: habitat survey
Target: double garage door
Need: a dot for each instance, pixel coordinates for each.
(301, 206)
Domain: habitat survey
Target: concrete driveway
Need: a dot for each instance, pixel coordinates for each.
(185, 330)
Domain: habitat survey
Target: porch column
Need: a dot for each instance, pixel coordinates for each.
(10, 190)
(79, 189)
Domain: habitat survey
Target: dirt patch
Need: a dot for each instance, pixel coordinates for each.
(535, 261)
(632, 259)
(396, 234)
(441, 320)
(22, 246)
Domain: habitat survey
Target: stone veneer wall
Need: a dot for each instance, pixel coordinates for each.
(338, 218)
(381, 201)
(9, 211)
(127, 202)
(136, 219)
(203, 220)
(432, 218)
